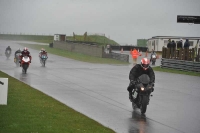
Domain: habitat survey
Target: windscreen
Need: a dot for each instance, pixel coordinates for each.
(144, 79)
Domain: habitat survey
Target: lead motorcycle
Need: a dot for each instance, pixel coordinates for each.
(142, 92)
(25, 62)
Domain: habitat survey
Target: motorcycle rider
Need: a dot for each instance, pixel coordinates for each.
(8, 49)
(18, 51)
(152, 53)
(25, 52)
(42, 52)
(136, 72)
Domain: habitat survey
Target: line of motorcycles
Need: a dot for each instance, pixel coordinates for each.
(25, 61)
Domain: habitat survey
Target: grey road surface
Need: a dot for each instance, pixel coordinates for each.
(99, 92)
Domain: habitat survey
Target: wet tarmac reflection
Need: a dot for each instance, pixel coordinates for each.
(139, 123)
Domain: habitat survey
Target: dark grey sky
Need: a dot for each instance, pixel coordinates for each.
(124, 21)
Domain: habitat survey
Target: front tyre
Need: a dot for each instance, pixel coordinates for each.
(144, 103)
(134, 106)
(25, 67)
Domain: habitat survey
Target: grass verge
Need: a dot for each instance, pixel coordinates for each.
(158, 68)
(73, 55)
(29, 110)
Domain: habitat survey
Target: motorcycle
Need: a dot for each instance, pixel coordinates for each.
(7, 53)
(43, 59)
(17, 59)
(142, 92)
(25, 63)
(153, 59)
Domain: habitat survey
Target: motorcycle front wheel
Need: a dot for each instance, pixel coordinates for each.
(144, 103)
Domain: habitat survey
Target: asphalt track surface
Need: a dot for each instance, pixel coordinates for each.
(99, 92)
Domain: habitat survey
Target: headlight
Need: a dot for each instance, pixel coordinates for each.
(142, 88)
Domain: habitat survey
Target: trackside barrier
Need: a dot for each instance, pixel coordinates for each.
(180, 64)
(3, 91)
(117, 56)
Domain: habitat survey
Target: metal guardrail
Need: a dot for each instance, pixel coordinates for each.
(180, 64)
(117, 56)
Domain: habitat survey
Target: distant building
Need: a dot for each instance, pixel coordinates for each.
(158, 42)
(142, 42)
(59, 37)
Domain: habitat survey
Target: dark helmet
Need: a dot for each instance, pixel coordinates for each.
(145, 63)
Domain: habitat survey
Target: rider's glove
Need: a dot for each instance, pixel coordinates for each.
(133, 82)
(152, 84)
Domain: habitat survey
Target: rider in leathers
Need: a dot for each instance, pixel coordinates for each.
(25, 52)
(136, 72)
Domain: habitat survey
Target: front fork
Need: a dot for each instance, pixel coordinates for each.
(140, 98)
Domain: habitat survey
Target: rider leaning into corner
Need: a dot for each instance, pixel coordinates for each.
(136, 72)
(25, 52)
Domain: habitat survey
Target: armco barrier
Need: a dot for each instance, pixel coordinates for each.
(180, 64)
(117, 56)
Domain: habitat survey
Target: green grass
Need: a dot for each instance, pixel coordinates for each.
(31, 111)
(34, 38)
(100, 40)
(176, 71)
(75, 56)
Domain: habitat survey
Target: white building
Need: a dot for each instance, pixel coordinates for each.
(59, 37)
(157, 42)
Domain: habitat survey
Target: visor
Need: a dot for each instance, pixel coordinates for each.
(145, 65)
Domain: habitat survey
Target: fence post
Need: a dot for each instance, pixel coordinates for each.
(193, 52)
(168, 53)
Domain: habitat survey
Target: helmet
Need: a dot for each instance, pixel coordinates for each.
(19, 49)
(25, 49)
(145, 63)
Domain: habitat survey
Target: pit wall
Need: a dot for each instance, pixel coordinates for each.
(92, 50)
(87, 49)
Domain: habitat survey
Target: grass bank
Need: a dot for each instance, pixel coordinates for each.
(31, 111)
(75, 56)
(34, 38)
(158, 68)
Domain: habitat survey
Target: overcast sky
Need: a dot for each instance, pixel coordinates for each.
(124, 21)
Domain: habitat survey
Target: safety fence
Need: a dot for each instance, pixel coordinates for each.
(181, 54)
(180, 64)
(117, 56)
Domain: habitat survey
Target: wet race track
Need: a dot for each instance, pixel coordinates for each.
(99, 91)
